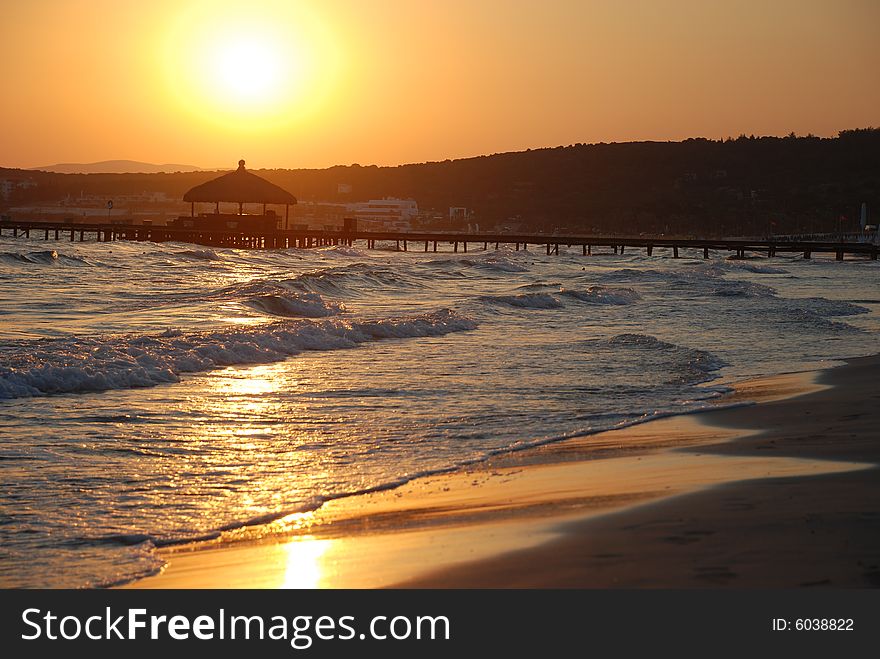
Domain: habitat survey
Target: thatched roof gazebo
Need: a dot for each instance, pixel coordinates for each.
(241, 187)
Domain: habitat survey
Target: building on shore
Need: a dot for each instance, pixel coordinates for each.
(389, 214)
(9, 185)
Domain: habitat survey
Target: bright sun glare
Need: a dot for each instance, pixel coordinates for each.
(250, 68)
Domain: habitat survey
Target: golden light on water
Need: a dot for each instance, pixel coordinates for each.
(304, 568)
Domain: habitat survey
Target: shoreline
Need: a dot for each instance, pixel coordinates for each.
(523, 519)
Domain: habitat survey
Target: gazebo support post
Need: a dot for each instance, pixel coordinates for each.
(286, 216)
(192, 209)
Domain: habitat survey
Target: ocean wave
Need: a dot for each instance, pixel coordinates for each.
(525, 300)
(735, 288)
(306, 295)
(354, 279)
(501, 264)
(804, 318)
(603, 295)
(825, 307)
(701, 279)
(78, 365)
(628, 274)
(42, 257)
(148, 542)
(500, 261)
(296, 305)
(683, 365)
(754, 267)
(538, 285)
(640, 341)
(200, 254)
(338, 281)
(344, 250)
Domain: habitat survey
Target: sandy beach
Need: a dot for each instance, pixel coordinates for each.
(780, 493)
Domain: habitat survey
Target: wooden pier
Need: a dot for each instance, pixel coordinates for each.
(428, 241)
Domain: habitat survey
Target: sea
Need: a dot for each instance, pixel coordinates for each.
(154, 394)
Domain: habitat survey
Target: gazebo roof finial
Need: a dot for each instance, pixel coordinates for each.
(241, 164)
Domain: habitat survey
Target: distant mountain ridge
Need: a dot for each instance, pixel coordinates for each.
(115, 167)
(732, 187)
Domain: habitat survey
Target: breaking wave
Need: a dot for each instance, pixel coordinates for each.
(296, 305)
(122, 362)
(42, 257)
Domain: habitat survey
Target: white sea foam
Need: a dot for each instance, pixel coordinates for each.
(121, 362)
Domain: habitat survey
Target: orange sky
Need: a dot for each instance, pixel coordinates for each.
(288, 83)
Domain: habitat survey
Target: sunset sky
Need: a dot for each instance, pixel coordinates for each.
(288, 83)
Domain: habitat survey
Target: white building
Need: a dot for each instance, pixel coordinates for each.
(388, 213)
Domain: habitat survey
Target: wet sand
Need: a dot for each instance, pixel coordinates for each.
(778, 494)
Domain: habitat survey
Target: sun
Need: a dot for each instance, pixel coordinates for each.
(249, 67)
(251, 70)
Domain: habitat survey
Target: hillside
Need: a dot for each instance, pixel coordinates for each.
(697, 186)
(114, 167)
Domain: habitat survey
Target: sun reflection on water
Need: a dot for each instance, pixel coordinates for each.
(304, 566)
